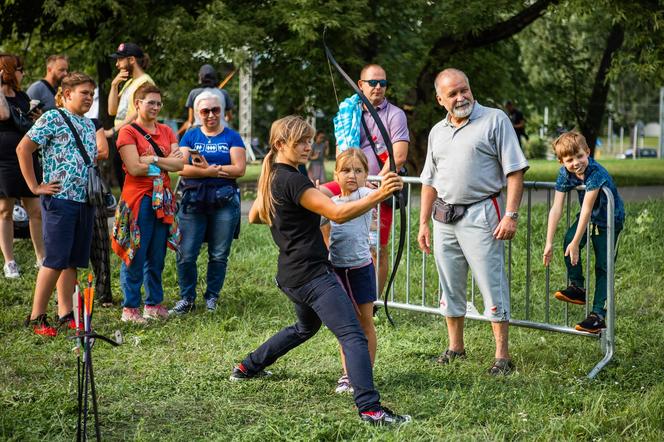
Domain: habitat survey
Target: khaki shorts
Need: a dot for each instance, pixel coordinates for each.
(470, 242)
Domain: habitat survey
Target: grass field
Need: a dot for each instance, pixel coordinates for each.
(639, 172)
(169, 380)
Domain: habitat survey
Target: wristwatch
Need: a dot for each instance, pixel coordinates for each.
(513, 215)
(155, 159)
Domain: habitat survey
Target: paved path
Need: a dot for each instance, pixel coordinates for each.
(628, 194)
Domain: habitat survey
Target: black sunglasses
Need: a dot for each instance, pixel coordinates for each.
(374, 83)
(205, 111)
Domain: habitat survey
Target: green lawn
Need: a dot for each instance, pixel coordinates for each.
(169, 380)
(639, 172)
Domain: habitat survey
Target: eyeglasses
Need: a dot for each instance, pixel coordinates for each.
(152, 103)
(205, 111)
(374, 83)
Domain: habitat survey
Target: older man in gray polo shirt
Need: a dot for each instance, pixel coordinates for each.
(471, 155)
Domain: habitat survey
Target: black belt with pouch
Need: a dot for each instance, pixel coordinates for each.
(447, 213)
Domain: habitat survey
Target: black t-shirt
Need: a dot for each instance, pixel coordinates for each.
(21, 101)
(516, 116)
(296, 230)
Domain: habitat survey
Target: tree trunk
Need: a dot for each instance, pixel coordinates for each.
(594, 115)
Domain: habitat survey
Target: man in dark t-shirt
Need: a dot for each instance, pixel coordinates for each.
(518, 121)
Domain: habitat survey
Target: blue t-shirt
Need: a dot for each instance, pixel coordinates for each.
(216, 149)
(595, 177)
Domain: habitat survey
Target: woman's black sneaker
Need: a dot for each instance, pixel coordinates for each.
(572, 294)
(242, 374)
(592, 324)
(384, 416)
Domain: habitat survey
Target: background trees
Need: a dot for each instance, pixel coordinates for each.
(573, 56)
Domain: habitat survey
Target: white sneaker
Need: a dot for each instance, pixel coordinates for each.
(11, 270)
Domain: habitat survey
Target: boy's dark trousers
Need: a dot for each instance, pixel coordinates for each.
(598, 236)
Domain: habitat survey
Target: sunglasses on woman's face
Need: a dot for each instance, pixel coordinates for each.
(19, 69)
(207, 111)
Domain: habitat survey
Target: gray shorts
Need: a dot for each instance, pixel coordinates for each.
(470, 242)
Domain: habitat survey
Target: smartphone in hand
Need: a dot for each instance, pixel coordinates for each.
(195, 157)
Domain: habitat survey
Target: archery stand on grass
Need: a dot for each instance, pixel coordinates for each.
(85, 385)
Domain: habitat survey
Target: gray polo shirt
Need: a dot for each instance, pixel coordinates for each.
(39, 91)
(469, 163)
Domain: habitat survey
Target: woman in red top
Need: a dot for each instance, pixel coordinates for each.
(145, 218)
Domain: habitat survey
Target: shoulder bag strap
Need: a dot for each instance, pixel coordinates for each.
(48, 85)
(148, 138)
(371, 141)
(77, 138)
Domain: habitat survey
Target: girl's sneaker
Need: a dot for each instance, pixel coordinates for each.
(132, 315)
(384, 416)
(40, 326)
(343, 385)
(11, 270)
(155, 312)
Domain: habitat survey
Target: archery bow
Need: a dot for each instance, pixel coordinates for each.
(393, 168)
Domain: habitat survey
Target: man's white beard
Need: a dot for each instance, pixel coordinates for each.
(463, 109)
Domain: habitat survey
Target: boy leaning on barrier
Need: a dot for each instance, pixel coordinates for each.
(581, 169)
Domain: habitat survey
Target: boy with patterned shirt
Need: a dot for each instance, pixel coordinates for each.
(580, 169)
(67, 218)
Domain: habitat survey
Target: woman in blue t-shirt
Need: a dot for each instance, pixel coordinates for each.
(210, 206)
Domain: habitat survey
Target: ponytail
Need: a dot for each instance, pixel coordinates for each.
(264, 198)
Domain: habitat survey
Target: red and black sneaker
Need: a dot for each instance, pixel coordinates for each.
(572, 294)
(384, 417)
(68, 321)
(240, 373)
(40, 326)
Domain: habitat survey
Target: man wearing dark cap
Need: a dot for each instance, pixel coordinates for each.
(131, 62)
(208, 80)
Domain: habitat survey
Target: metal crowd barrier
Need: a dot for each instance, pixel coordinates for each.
(528, 311)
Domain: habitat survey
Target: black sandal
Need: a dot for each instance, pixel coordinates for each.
(450, 355)
(501, 367)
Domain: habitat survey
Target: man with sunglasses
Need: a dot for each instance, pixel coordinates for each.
(373, 83)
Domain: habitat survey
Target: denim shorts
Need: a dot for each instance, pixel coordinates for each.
(67, 228)
(360, 282)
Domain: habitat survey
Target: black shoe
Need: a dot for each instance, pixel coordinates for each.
(384, 416)
(501, 367)
(592, 324)
(450, 355)
(241, 374)
(182, 307)
(572, 294)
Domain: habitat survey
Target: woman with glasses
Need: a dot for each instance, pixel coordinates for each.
(210, 207)
(12, 185)
(145, 217)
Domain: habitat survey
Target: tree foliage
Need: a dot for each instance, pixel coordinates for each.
(540, 52)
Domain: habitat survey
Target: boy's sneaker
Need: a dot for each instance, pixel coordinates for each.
(343, 385)
(155, 312)
(592, 324)
(384, 416)
(40, 326)
(501, 367)
(450, 355)
(11, 270)
(67, 321)
(572, 294)
(132, 315)
(211, 304)
(241, 374)
(182, 307)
